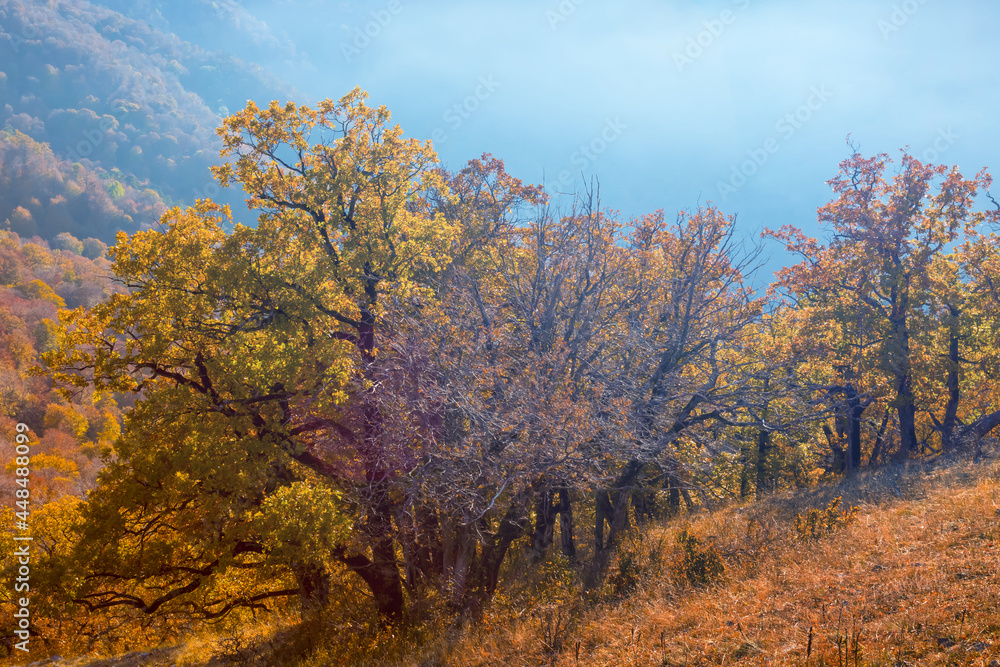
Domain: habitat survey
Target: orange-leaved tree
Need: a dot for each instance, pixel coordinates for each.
(256, 356)
(888, 293)
(307, 385)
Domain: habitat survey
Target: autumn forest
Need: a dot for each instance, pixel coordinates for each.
(397, 400)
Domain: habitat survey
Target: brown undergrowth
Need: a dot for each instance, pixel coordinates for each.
(908, 575)
(904, 570)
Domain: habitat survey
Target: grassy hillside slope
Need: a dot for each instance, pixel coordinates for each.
(909, 577)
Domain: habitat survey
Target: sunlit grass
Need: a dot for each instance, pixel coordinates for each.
(912, 579)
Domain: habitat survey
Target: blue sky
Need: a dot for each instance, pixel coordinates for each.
(746, 103)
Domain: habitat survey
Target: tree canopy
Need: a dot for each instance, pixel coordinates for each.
(401, 376)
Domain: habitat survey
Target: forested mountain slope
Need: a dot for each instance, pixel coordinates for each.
(398, 402)
(35, 281)
(127, 102)
(43, 195)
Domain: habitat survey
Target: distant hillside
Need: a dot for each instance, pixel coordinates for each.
(111, 92)
(35, 281)
(45, 196)
(232, 26)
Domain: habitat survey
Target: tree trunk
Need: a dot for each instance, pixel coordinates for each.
(495, 546)
(907, 418)
(686, 495)
(602, 513)
(619, 499)
(459, 551)
(423, 551)
(903, 369)
(951, 409)
(674, 498)
(763, 449)
(566, 524)
(545, 522)
(982, 426)
(763, 445)
(644, 504)
(839, 462)
(879, 439)
(382, 579)
(855, 409)
(382, 572)
(744, 472)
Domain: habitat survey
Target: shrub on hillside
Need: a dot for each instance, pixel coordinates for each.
(819, 523)
(698, 563)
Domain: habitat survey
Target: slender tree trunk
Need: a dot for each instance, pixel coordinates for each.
(745, 463)
(839, 463)
(855, 409)
(603, 511)
(545, 521)
(619, 499)
(951, 409)
(674, 497)
(763, 449)
(763, 446)
(686, 495)
(905, 400)
(879, 439)
(566, 524)
(644, 504)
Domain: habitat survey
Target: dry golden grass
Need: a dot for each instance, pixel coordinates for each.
(914, 579)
